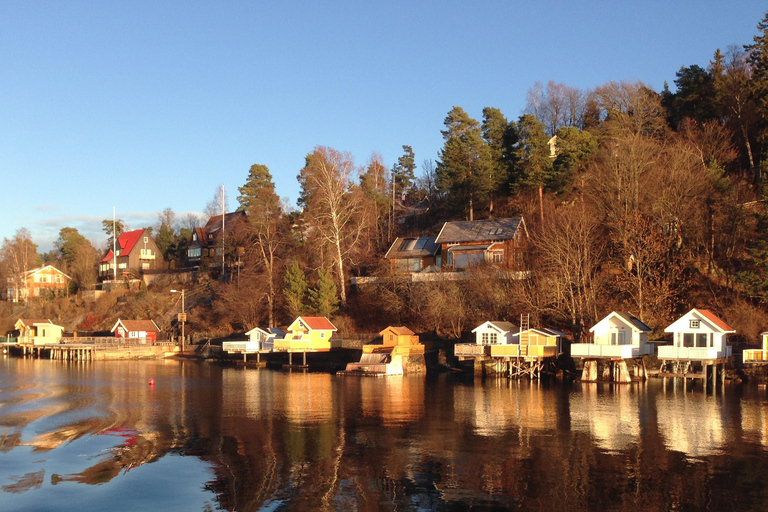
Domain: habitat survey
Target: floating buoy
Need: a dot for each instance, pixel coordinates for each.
(151, 382)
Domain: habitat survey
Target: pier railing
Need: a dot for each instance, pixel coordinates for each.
(755, 356)
(594, 350)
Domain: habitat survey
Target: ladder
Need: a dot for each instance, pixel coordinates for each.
(525, 323)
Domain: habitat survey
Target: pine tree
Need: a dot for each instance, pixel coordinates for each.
(323, 297)
(259, 180)
(403, 171)
(295, 290)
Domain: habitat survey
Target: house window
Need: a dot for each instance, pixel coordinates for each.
(322, 335)
(496, 256)
(688, 339)
(693, 324)
(617, 338)
(484, 338)
(145, 266)
(494, 338)
(146, 240)
(701, 339)
(121, 265)
(391, 337)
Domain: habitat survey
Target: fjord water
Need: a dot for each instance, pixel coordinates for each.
(97, 436)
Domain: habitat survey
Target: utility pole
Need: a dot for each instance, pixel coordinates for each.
(182, 317)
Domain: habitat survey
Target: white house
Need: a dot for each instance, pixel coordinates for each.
(39, 331)
(618, 335)
(495, 333)
(265, 338)
(699, 334)
(758, 355)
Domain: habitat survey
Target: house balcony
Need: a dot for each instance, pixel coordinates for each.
(607, 351)
(693, 353)
(755, 356)
(470, 350)
(241, 347)
(147, 256)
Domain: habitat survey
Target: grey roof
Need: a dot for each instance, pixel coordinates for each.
(479, 230)
(505, 326)
(632, 319)
(411, 247)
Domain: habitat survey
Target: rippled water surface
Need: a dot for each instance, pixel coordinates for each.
(96, 436)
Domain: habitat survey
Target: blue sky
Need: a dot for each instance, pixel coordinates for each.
(149, 105)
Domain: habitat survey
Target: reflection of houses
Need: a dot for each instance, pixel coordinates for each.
(38, 331)
(498, 241)
(136, 252)
(616, 338)
(136, 329)
(414, 254)
(493, 411)
(37, 282)
(222, 234)
(397, 401)
(699, 339)
(700, 437)
(393, 356)
(612, 417)
(308, 334)
(759, 355)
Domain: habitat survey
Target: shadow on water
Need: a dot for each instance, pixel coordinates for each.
(211, 438)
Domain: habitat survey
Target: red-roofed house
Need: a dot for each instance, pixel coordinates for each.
(136, 252)
(699, 335)
(308, 333)
(146, 329)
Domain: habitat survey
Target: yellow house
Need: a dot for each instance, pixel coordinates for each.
(387, 358)
(758, 355)
(534, 343)
(39, 331)
(308, 333)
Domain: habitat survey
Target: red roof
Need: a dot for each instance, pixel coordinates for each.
(125, 243)
(319, 323)
(716, 320)
(137, 325)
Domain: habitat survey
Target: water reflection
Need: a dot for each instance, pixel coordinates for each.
(206, 437)
(609, 413)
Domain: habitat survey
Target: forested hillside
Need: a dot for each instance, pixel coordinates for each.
(639, 200)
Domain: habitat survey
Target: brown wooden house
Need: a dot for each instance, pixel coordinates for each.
(408, 254)
(498, 241)
(136, 252)
(221, 233)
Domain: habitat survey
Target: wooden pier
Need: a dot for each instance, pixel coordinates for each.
(711, 371)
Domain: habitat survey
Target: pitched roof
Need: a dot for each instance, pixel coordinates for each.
(479, 230)
(137, 325)
(628, 318)
(319, 323)
(501, 326)
(410, 247)
(39, 269)
(716, 320)
(32, 321)
(214, 223)
(400, 331)
(633, 320)
(125, 243)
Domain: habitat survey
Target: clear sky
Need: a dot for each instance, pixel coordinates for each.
(145, 105)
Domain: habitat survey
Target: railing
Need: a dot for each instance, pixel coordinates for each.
(593, 350)
(470, 349)
(755, 356)
(505, 350)
(238, 347)
(672, 352)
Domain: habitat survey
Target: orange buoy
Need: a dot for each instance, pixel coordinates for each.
(151, 382)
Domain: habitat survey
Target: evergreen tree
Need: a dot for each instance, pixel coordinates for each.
(295, 290)
(500, 137)
(68, 243)
(534, 157)
(403, 172)
(461, 170)
(323, 297)
(259, 182)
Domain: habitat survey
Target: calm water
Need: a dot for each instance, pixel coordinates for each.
(96, 436)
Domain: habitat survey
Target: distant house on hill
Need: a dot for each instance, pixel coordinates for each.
(136, 252)
(37, 283)
(409, 254)
(498, 241)
(221, 234)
